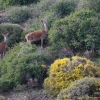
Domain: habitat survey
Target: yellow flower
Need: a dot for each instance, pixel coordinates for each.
(43, 66)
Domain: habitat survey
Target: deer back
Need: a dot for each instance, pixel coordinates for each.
(35, 35)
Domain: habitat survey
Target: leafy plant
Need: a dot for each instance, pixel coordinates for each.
(63, 72)
(17, 14)
(14, 31)
(65, 7)
(22, 62)
(7, 3)
(79, 31)
(82, 89)
(90, 4)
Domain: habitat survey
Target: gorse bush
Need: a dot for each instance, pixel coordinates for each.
(79, 31)
(14, 31)
(23, 61)
(82, 89)
(18, 14)
(63, 72)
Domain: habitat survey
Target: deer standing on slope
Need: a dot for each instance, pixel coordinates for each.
(37, 35)
(3, 45)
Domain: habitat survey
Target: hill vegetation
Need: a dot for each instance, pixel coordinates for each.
(73, 29)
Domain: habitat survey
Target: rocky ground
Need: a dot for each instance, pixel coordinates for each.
(30, 94)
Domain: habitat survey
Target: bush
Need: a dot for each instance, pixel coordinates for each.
(5, 84)
(63, 72)
(91, 4)
(82, 89)
(65, 7)
(18, 14)
(7, 3)
(47, 9)
(14, 30)
(79, 31)
(22, 62)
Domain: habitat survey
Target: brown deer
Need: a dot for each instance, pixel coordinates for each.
(3, 45)
(89, 53)
(37, 35)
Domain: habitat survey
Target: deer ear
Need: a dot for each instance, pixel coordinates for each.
(7, 34)
(3, 34)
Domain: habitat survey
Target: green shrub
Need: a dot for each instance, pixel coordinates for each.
(79, 31)
(24, 61)
(91, 4)
(20, 87)
(7, 3)
(18, 14)
(65, 7)
(46, 4)
(5, 84)
(14, 31)
(82, 89)
(63, 72)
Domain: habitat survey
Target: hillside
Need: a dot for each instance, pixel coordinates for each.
(73, 33)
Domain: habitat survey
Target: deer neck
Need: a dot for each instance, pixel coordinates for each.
(45, 27)
(6, 40)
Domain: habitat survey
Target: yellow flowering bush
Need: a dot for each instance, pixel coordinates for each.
(63, 72)
(83, 89)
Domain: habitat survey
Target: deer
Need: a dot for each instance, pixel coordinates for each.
(3, 45)
(37, 35)
(89, 53)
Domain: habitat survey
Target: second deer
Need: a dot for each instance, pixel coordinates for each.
(89, 53)
(37, 35)
(3, 45)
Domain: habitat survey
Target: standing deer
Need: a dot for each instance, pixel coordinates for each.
(37, 35)
(3, 45)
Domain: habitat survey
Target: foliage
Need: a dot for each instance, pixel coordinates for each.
(79, 31)
(20, 87)
(5, 84)
(91, 4)
(65, 7)
(23, 61)
(17, 14)
(63, 72)
(42, 10)
(83, 88)
(14, 31)
(7, 3)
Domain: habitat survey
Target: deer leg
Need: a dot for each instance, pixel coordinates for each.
(1, 55)
(4, 52)
(28, 41)
(42, 43)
